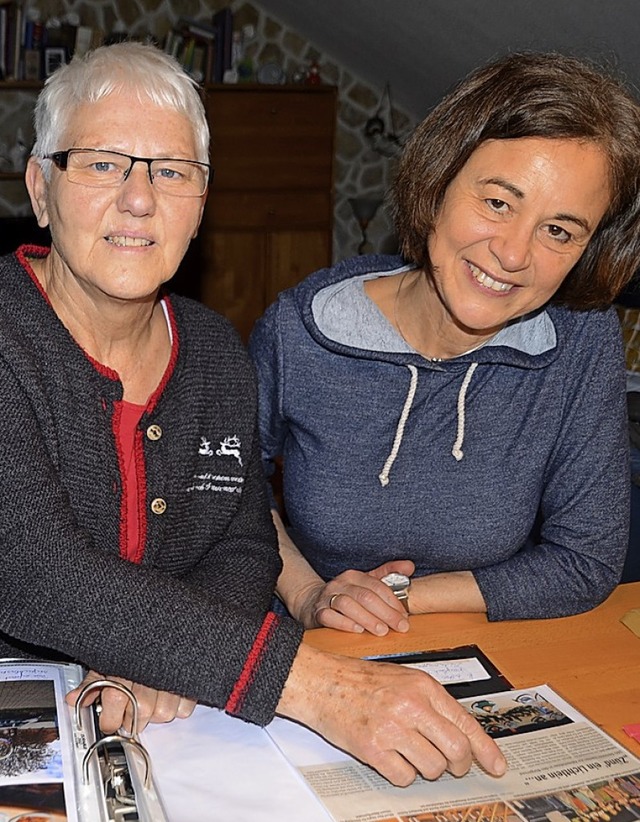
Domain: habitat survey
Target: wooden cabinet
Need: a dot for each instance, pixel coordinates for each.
(269, 218)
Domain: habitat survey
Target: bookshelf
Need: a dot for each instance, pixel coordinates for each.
(31, 47)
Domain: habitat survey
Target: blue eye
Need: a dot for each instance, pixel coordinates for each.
(168, 173)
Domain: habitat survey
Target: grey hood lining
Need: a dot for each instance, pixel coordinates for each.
(345, 315)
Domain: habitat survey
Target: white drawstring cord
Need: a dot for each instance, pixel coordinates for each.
(456, 451)
(462, 395)
(383, 476)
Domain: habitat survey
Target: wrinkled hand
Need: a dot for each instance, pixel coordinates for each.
(116, 713)
(357, 601)
(398, 720)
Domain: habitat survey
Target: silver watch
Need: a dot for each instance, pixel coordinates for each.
(399, 584)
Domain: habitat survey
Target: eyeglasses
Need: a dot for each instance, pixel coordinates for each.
(97, 168)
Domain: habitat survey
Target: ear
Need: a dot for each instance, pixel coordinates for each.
(37, 188)
(202, 205)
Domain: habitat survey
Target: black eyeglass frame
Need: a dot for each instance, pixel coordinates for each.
(61, 160)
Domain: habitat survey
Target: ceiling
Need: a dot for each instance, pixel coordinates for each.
(422, 47)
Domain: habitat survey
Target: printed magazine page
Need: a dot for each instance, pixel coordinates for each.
(38, 756)
(562, 768)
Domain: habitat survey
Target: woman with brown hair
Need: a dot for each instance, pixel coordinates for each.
(456, 414)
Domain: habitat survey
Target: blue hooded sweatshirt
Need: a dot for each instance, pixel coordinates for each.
(510, 461)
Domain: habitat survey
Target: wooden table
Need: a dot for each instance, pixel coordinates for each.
(591, 659)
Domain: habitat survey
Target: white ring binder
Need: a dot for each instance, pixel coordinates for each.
(87, 775)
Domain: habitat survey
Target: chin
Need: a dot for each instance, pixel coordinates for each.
(481, 323)
(134, 292)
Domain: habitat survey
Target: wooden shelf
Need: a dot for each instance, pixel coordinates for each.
(20, 85)
(270, 87)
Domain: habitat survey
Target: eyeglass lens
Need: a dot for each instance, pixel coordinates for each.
(104, 169)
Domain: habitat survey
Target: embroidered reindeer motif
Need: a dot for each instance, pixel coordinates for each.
(230, 447)
(205, 447)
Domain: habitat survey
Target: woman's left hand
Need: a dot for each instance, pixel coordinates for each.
(358, 601)
(116, 713)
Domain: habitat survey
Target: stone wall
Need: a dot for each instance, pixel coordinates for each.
(359, 170)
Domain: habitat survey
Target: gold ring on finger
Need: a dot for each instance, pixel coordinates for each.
(331, 599)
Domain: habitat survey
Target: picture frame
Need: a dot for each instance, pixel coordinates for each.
(54, 57)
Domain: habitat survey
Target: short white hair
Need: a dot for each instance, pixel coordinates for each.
(130, 65)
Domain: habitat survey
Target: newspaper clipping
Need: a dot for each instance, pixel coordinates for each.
(562, 768)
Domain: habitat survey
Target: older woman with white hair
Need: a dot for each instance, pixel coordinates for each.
(135, 534)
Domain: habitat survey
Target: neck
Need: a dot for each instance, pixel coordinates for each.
(128, 336)
(424, 322)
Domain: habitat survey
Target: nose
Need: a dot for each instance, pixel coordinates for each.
(136, 193)
(512, 245)
(138, 160)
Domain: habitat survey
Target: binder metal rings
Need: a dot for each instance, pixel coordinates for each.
(132, 739)
(124, 741)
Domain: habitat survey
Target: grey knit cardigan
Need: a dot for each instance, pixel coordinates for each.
(193, 616)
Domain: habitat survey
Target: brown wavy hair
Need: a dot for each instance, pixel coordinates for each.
(531, 95)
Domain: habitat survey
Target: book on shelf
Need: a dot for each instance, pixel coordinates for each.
(32, 64)
(223, 25)
(11, 39)
(3, 40)
(33, 33)
(194, 52)
(196, 28)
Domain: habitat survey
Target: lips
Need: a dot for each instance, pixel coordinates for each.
(488, 282)
(131, 242)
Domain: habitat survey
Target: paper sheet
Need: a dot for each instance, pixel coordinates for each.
(212, 766)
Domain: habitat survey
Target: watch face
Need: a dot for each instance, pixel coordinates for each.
(396, 580)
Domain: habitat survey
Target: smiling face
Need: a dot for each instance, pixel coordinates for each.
(120, 243)
(513, 223)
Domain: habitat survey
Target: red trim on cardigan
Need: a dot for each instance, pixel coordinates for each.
(38, 251)
(142, 496)
(115, 425)
(26, 251)
(132, 508)
(240, 689)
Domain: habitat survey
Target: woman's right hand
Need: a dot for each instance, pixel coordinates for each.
(355, 601)
(398, 720)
